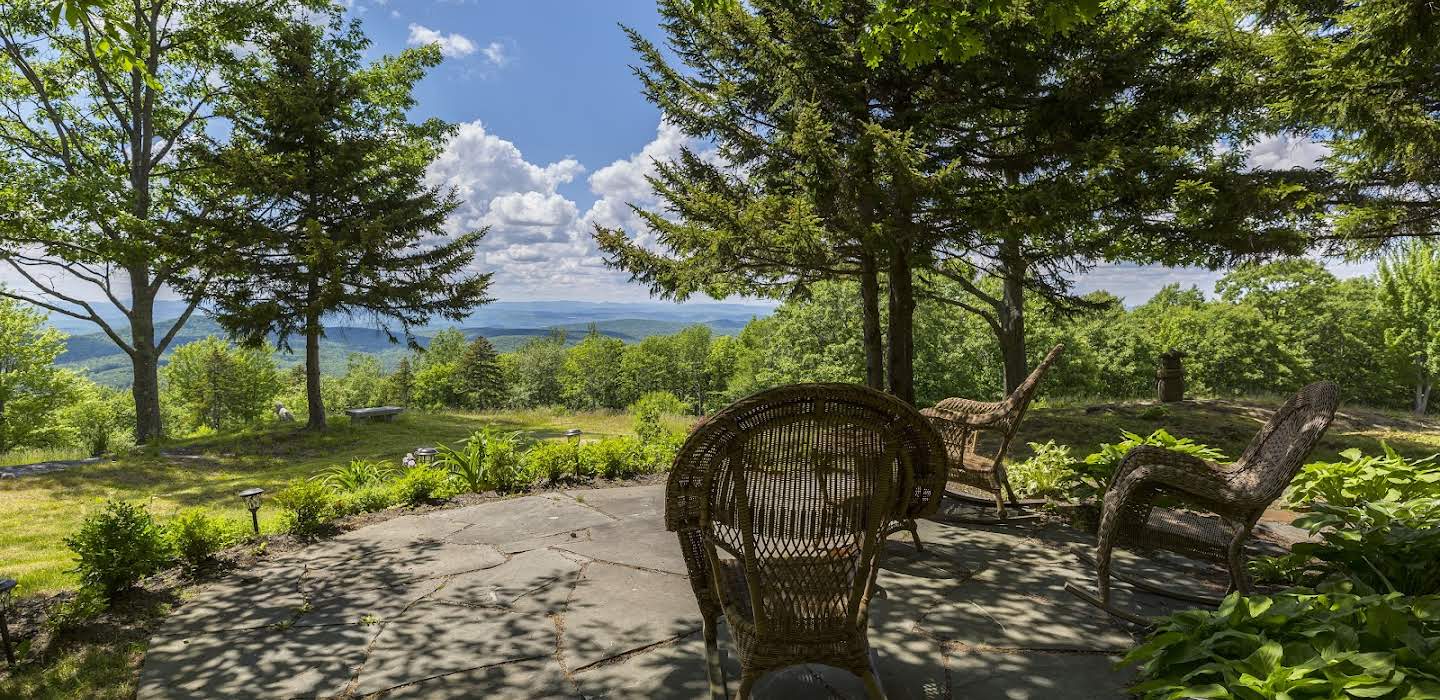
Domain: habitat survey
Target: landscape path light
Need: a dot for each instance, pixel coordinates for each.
(252, 503)
(425, 456)
(573, 435)
(6, 586)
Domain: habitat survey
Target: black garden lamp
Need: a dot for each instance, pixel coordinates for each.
(573, 435)
(6, 586)
(252, 503)
(425, 456)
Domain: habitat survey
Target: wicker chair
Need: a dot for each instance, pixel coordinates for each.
(1238, 494)
(961, 421)
(780, 502)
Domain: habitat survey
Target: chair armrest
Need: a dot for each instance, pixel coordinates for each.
(1151, 455)
(970, 420)
(970, 407)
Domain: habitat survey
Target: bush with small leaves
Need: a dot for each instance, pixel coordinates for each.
(551, 462)
(365, 499)
(421, 484)
(648, 411)
(78, 610)
(613, 458)
(309, 507)
(196, 536)
(117, 546)
(505, 463)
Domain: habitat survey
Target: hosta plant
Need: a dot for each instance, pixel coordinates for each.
(1383, 547)
(1046, 474)
(1366, 478)
(1298, 645)
(1092, 475)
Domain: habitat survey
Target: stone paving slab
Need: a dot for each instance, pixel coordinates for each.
(295, 662)
(634, 543)
(538, 581)
(431, 640)
(639, 502)
(518, 519)
(550, 597)
(616, 609)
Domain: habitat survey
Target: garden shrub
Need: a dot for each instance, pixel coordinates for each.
(1361, 478)
(1299, 644)
(1044, 475)
(1383, 547)
(504, 465)
(649, 411)
(365, 499)
(550, 461)
(196, 536)
(613, 458)
(467, 463)
(1092, 476)
(309, 507)
(355, 474)
(78, 610)
(421, 484)
(117, 546)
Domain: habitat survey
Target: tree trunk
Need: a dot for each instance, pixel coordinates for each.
(1011, 332)
(874, 341)
(314, 400)
(902, 326)
(145, 359)
(1422, 393)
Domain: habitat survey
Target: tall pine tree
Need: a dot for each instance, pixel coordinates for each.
(321, 193)
(482, 385)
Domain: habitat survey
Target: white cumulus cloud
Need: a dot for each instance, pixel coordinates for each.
(451, 45)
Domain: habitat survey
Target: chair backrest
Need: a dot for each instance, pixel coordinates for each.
(1019, 400)
(1278, 451)
(797, 485)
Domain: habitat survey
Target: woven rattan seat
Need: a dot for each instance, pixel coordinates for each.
(962, 422)
(1239, 494)
(781, 502)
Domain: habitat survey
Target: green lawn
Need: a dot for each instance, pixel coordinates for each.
(36, 513)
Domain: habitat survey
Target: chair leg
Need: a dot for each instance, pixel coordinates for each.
(999, 502)
(1235, 558)
(873, 689)
(713, 669)
(1109, 524)
(747, 683)
(915, 533)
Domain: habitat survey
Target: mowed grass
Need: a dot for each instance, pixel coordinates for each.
(38, 512)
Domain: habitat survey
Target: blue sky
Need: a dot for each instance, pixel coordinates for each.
(554, 137)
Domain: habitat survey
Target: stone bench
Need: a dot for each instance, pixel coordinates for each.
(376, 413)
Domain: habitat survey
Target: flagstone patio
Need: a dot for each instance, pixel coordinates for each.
(583, 594)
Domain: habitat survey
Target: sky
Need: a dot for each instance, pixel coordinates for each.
(555, 137)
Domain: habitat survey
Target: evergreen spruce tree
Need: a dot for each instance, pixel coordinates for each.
(482, 384)
(321, 194)
(402, 382)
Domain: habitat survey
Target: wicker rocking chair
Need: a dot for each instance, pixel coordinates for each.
(961, 421)
(1238, 494)
(781, 502)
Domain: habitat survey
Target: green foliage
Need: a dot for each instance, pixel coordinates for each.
(365, 499)
(435, 386)
(1410, 293)
(1384, 547)
(363, 384)
(591, 377)
(78, 610)
(612, 458)
(355, 474)
(552, 462)
(1093, 474)
(1331, 644)
(420, 484)
(217, 385)
(320, 194)
(32, 389)
(1046, 474)
(309, 507)
(1366, 478)
(487, 460)
(99, 419)
(117, 546)
(196, 536)
(648, 412)
(481, 382)
(536, 368)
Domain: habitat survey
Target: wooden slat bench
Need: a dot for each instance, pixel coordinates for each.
(375, 413)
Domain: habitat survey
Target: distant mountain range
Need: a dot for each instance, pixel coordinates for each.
(506, 324)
